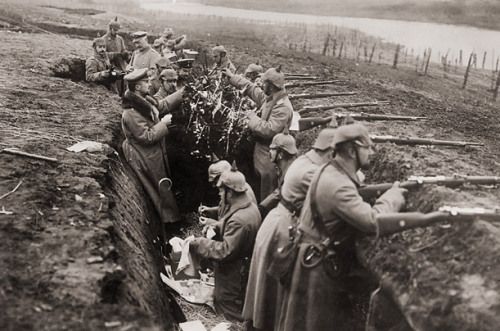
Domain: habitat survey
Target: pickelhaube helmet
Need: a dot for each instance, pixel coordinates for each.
(355, 132)
(217, 168)
(114, 24)
(275, 77)
(218, 49)
(325, 136)
(254, 67)
(168, 32)
(168, 74)
(285, 142)
(233, 179)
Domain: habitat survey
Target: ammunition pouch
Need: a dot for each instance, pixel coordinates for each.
(283, 263)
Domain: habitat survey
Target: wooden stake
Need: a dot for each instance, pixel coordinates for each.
(467, 70)
(427, 63)
(34, 156)
(396, 56)
(373, 51)
(495, 92)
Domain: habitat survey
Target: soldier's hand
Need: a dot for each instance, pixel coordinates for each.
(152, 100)
(105, 73)
(202, 209)
(227, 73)
(396, 195)
(167, 119)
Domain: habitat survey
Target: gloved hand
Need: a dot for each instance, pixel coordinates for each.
(167, 119)
(152, 100)
(226, 72)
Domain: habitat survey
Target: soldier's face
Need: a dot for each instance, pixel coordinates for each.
(142, 87)
(170, 85)
(267, 88)
(217, 58)
(364, 154)
(140, 43)
(114, 31)
(101, 49)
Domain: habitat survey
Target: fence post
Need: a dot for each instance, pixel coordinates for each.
(467, 70)
(495, 93)
(484, 60)
(373, 51)
(341, 47)
(427, 63)
(327, 41)
(396, 56)
(460, 58)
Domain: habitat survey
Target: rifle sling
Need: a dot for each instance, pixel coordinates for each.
(316, 216)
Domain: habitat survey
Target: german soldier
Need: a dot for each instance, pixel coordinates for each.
(98, 68)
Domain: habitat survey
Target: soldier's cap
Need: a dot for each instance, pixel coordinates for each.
(217, 168)
(170, 43)
(254, 67)
(137, 75)
(325, 138)
(139, 34)
(99, 41)
(114, 24)
(190, 53)
(352, 132)
(158, 42)
(162, 62)
(218, 49)
(168, 74)
(275, 77)
(168, 32)
(185, 63)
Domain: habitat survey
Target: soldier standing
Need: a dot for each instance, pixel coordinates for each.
(276, 114)
(221, 59)
(263, 291)
(172, 44)
(231, 248)
(117, 52)
(144, 56)
(144, 146)
(161, 64)
(98, 68)
(333, 213)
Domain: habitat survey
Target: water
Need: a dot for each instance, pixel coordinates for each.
(442, 38)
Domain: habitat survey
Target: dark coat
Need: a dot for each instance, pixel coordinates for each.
(314, 300)
(95, 66)
(144, 149)
(231, 253)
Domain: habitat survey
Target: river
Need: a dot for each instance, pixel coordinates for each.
(442, 38)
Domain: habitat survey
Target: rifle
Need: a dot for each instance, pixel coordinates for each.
(300, 77)
(397, 222)
(343, 105)
(318, 95)
(310, 122)
(421, 141)
(325, 82)
(293, 74)
(371, 191)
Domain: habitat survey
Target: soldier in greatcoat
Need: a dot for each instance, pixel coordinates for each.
(117, 51)
(144, 145)
(263, 291)
(332, 214)
(98, 67)
(231, 249)
(276, 114)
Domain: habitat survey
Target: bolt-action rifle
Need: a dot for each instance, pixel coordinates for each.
(371, 191)
(343, 105)
(292, 77)
(310, 122)
(421, 141)
(295, 74)
(324, 82)
(318, 95)
(396, 222)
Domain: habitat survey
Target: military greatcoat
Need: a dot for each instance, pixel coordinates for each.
(276, 114)
(315, 300)
(95, 66)
(263, 291)
(231, 252)
(144, 149)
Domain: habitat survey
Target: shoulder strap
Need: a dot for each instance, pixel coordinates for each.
(314, 207)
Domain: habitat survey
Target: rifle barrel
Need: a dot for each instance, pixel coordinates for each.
(300, 77)
(422, 141)
(318, 95)
(326, 82)
(343, 105)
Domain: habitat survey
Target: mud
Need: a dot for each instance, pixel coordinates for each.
(80, 248)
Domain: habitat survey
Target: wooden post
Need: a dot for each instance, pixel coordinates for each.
(416, 66)
(396, 56)
(341, 47)
(484, 60)
(427, 63)
(373, 51)
(495, 93)
(366, 53)
(334, 45)
(325, 45)
(467, 70)
(475, 60)
(460, 58)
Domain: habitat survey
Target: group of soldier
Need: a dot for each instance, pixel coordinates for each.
(282, 249)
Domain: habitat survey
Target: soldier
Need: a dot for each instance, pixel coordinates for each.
(232, 247)
(158, 45)
(221, 59)
(169, 98)
(276, 114)
(333, 213)
(168, 80)
(282, 152)
(144, 145)
(263, 291)
(185, 67)
(172, 44)
(117, 52)
(161, 64)
(253, 71)
(214, 171)
(144, 56)
(98, 68)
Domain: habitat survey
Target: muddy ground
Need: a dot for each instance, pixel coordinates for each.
(80, 252)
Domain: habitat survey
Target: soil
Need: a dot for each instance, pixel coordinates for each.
(80, 249)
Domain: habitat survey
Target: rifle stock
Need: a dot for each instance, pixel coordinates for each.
(372, 191)
(397, 222)
(421, 141)
(310, 122)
